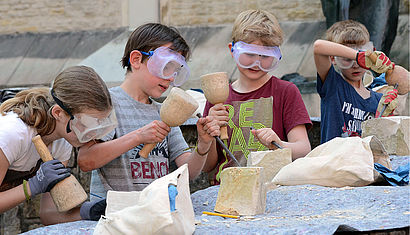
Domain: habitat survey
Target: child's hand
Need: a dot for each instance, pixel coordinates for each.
(220, 113)
(154, 132)
(381, 64)
(266, 136)
(389, 99)
(207, 127)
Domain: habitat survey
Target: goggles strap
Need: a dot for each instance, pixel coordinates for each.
(60, 103)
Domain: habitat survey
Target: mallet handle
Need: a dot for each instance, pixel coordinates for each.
(144, 152)
(42, 149)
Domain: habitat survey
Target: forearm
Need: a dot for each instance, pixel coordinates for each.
(195, 159)
(212, 158)
(12, 197)
(327, 48)
(299, 149)
(94, 156)
(49, 214)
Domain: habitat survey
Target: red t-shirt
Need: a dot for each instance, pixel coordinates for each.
(277, 104)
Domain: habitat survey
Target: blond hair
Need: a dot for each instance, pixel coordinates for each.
(260, 25)
(78, 87)
(348, 32)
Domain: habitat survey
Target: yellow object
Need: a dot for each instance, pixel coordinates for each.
(219, 214)
(25, 190)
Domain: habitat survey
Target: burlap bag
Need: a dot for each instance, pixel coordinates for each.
(151, 213)
(337, 163)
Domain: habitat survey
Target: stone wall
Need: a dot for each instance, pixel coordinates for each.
(59, 16)
(211, 12)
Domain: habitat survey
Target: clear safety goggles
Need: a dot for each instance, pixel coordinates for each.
(250, 55)
(345, 63)
(88, 128)
(166, 63)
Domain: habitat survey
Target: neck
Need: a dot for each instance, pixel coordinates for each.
(133, 90)
(244, 84)
(48, 139)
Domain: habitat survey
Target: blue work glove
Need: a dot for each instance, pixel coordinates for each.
(93, 210)
(49, 174)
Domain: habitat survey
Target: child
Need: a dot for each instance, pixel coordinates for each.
(273, 107)
(63, 117)
(345, 102)
(154, 57)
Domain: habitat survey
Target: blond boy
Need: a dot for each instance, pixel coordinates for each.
(272, 107)
(341, 63)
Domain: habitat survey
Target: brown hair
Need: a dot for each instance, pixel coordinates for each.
(79, 88)
(251, 25)
(348, 32)
(149, 37)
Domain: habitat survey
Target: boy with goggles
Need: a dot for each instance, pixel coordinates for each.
(155, 59)
(345, 101)
(260, 108)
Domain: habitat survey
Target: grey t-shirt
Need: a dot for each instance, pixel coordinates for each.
(130, 172)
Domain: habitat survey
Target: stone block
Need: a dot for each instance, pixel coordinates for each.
(241, 191)
(393, 132)
(271, 161)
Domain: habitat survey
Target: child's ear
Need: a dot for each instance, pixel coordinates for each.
(230, 48)
(135, 59)
(58, 113)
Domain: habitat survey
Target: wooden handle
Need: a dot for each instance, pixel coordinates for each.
(42, 149)
(373, 58)
(144, 152)
(224, 132)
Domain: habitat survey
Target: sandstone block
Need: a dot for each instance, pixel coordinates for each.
(271, 161)
(393, 132)
(241, 191)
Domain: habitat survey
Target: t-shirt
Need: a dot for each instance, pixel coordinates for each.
(130, 172)
(16, 144)
(342, 109)
(277, 104)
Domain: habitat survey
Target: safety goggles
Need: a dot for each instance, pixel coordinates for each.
(88, 128)
(250, 55)
(166, 63)
(345, 63)
(85, 127)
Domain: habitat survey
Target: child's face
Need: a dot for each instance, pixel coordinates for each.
(154, 84)
(349, 68)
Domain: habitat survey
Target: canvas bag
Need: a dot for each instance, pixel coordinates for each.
(337, 163)
(151, 214)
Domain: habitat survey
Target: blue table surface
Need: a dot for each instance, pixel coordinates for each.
(302, 209)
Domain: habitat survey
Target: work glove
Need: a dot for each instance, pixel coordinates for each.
(389, 99)
(381, 65)
(49, 174)
(93, 210)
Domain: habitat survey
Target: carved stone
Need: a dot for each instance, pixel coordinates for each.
(393, 132)
(241, 191)
(271, 161)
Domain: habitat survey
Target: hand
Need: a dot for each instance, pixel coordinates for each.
(381, 65)
(49, 174)
(389, 99)
(207, 127)
(220, 113)
(154, 132)
(266, 136)
(93, 210)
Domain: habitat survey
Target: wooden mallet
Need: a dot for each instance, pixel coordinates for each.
(67, 193)
(175, 110)
(216, 91)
